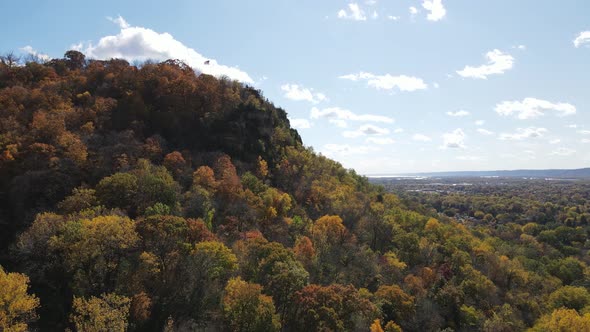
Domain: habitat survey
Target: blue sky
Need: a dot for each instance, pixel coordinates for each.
(383, 86)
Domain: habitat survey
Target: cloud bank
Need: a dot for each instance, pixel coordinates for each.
(141, 44)
(31, 51)
(523, 133)
(530, 108)
(388, 82)
(339, 116)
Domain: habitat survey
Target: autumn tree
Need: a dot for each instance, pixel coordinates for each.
(109, 312)
(329, 231)
(275, 268)
(94, 250)
(246, 309)
(395, 304)
(332, 308)
(199, 278)
(75, 59)
(17, 306)
(391, 326)
(563, 320)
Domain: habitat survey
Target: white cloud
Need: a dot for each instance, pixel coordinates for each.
(564, 152)
(388, 82)
(584, 132)
(120, 21)
(585, 140)
(366, 130)
(352, 134)
(141, 44)
(485, 131)
(380, 140)
(498, 63)
(413, 10)
(373, 130)
(375, 15)
(471, 158)
(338, 115)
(353, 12)
(393, 18)
(582, 39)
(523, 133)
(521, 47)
(555, 141)
(532, 107)
(436, 85)
(421, 138)
(339, 123)
(459, 113)
(345, 149)
(479, 122)
(30, 50)
(454, 139)
(435, 8)
(300, 123)
(398, 131)
(573, 126)
(296, 92)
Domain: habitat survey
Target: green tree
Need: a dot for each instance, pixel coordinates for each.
(569, 269)
(80, 199)
(118, 190)
(569, 297)
(154, 185)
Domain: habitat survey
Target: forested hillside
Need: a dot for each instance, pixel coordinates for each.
(150, 198)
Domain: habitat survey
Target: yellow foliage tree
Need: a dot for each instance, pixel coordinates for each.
(389, 327)
(563, 320)
(17, 307)
(246, 309)
(109, 313)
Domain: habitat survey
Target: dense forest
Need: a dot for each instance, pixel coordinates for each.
(150, 198)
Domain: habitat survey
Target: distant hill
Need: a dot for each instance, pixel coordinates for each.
(534, 173)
